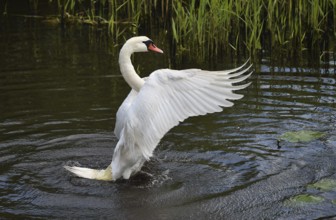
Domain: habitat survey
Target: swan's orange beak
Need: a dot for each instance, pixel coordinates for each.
(154, 48)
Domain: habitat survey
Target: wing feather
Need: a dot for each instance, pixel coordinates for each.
(170, 96)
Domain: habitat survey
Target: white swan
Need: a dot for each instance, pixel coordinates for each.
(158, 103)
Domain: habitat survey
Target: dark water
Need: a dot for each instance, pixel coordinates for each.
(60, 90)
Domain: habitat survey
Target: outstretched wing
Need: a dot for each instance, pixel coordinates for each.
(170, 96)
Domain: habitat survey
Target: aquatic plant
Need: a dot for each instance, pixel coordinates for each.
(220, 23)
(324, 185)
(305, 199)
(208, 27)
(301, 136)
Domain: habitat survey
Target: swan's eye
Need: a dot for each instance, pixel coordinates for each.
(151, 46)
(148, 43)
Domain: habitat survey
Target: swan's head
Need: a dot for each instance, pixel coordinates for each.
(141, 44)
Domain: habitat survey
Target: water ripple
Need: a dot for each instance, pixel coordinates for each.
(229, 165)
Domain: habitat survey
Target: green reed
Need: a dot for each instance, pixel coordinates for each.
(223, 24)
(212, 26)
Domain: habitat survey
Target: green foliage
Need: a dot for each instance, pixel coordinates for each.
(306, 199)
(221, 23)
(324, 185)
(301, 136)
(209, 26)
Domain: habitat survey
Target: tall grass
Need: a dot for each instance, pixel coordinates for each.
(211, 26)
(215, 24)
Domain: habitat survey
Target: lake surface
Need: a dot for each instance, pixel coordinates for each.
(60, 90)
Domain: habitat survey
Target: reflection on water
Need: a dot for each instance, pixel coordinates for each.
(59, 95)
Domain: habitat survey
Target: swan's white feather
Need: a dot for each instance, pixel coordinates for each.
(169, 97)
(158, 103)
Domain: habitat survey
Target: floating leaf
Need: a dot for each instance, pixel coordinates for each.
(334, 201)
(301, 136)
(306, 198)
(324, 184)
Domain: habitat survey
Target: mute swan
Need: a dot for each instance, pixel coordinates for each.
(158, 103)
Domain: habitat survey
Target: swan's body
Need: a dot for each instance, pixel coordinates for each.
(159, 103)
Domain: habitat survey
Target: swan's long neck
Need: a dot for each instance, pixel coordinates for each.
(127, 69)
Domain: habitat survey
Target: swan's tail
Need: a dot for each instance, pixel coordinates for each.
(91, 173)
